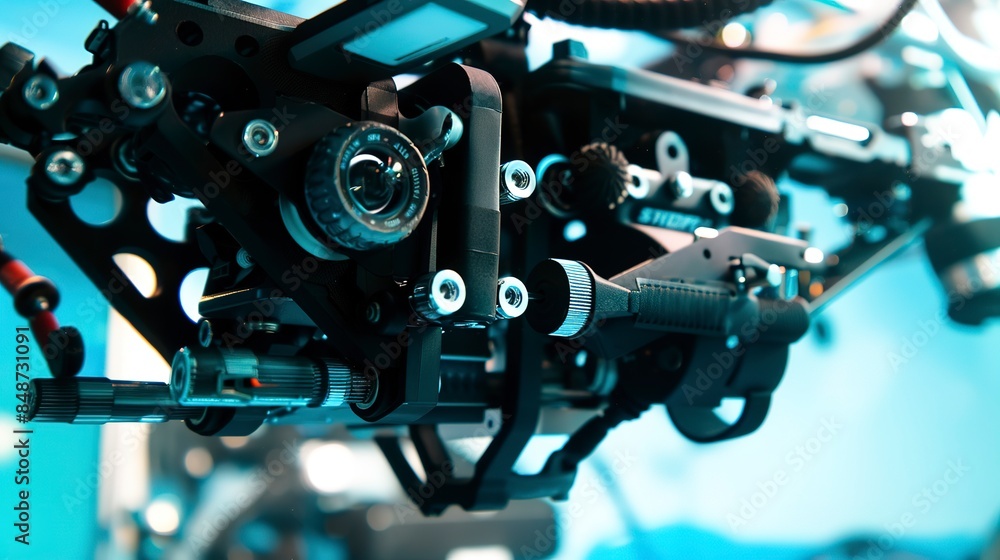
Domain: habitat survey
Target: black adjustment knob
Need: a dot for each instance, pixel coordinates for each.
(68, 360)
(565, 292)
(59, 172)
(757, 200)
(35, 294)
(595, 180)
(604, 184)
(366, 186)
(13, 59)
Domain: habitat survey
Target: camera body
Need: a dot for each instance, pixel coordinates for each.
(383, 256)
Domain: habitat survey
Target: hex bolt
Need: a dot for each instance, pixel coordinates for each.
(65, 167)
(243, 258)
(512, 298)
(438, 295)
(517, 181)
(142, 85)
(260, 138)
(40, 92)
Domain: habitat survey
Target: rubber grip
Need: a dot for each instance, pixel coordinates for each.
(680, 307)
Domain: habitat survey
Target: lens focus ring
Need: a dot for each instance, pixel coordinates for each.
(366, 186)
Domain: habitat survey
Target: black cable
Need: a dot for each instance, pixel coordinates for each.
(586, 439)
(881, 33)
(643, 15)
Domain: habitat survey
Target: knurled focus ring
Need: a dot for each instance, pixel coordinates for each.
(581, 299)
(563, 294)
(391, 193)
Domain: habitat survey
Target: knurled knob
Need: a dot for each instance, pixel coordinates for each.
(564, 292)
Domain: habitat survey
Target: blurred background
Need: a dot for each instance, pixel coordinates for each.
(883, 440)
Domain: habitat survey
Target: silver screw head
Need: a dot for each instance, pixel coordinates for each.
(40, 92)
(438, 295)
(512, 298)
(65, 167)
(517, 181)
(260, 138)
(142, 85)
(447, 292)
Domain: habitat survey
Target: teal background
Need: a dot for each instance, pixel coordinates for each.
(902, 425)
(61, 455)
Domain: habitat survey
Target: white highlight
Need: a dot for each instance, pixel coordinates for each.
(840, 129)
(706, 233)
(813, 255)
(481, 553)
(734, 35)
(329, 467)
(920, 27)
(163, 516)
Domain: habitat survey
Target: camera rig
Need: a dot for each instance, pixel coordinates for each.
(387, 257)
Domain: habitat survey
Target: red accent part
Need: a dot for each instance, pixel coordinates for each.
(117, 8)
(13, 274)
(43, 324)
(254, 382)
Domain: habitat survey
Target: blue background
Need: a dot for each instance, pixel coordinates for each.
(901, 425)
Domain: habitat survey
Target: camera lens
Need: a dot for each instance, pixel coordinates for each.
(375, 182)
(366, 186)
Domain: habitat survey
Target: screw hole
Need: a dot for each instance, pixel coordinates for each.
(260, 136)
(449, 290)
(513, 296)
(707, 253)
(190, 33)
(247, 46)
(672, 151)
(139, 272)
(99, 204)
(521, 179)
(190, 292)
